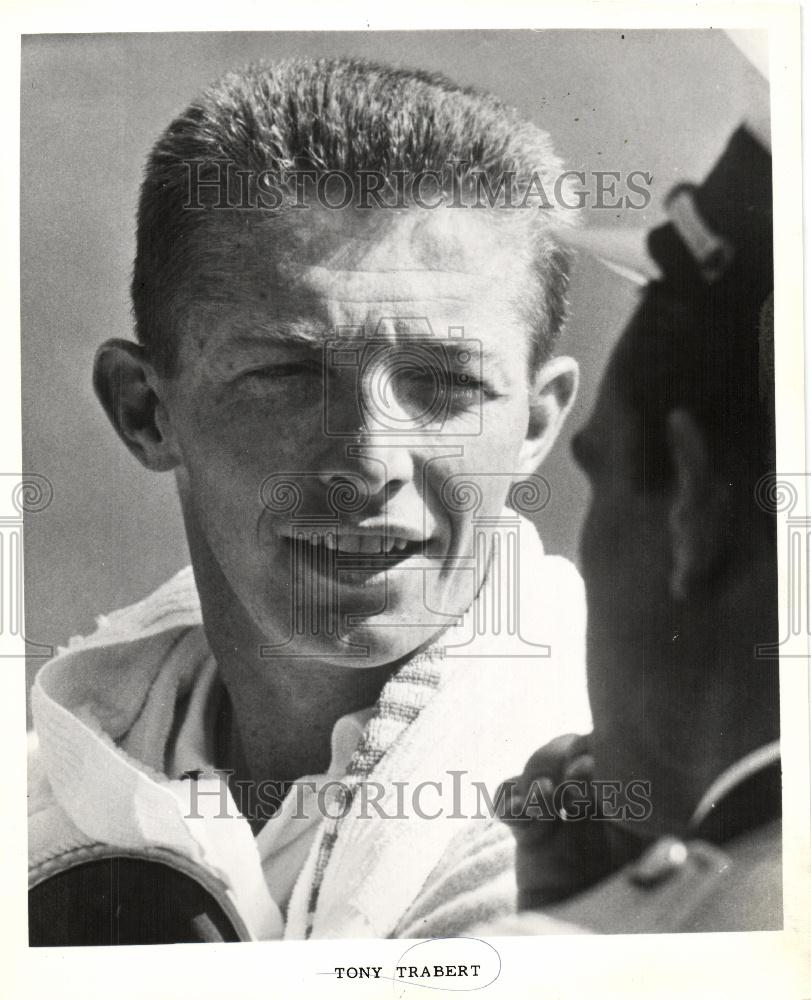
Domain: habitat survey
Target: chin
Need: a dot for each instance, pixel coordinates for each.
(373, 644)
(361, 646)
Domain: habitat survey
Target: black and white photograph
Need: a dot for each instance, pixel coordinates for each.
(411, 507)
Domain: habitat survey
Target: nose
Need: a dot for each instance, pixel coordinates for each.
(384, 465)
(375, 452)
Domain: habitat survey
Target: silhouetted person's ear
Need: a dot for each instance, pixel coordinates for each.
(125, 383)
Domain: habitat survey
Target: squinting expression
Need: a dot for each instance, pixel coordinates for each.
(342, 382)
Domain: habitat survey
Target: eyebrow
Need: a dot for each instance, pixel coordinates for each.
(283, 332)
(311, 336)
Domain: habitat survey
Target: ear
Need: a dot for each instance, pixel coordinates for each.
(551, 396)
(125, 382)
(697, 518)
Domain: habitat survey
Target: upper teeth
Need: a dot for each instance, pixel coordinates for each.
(364, 544)
(359, 544)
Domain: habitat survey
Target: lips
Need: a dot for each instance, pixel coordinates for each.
(358, 546)
(372, 537)
(365, 544)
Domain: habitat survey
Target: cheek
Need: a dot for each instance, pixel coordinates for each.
(477, 480)
(225, 468)
(250, 438)
(469, 493)
(503, 430)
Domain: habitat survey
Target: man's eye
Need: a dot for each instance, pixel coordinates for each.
(464, 385)
(439, 388)
(450, 382)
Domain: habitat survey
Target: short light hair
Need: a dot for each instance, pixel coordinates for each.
(341, 115)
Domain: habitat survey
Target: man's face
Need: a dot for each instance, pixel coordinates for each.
(346, 375)
(625, 558)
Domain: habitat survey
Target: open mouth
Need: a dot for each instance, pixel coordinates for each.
(356, 551)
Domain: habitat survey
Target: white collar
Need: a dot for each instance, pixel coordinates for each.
(90, 699)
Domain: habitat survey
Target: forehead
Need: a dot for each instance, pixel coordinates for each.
(312, 272)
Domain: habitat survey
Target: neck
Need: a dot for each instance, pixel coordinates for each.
(282, 712)
(277, 722)
(698, 700)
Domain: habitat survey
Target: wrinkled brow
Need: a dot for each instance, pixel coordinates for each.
(296, 333)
